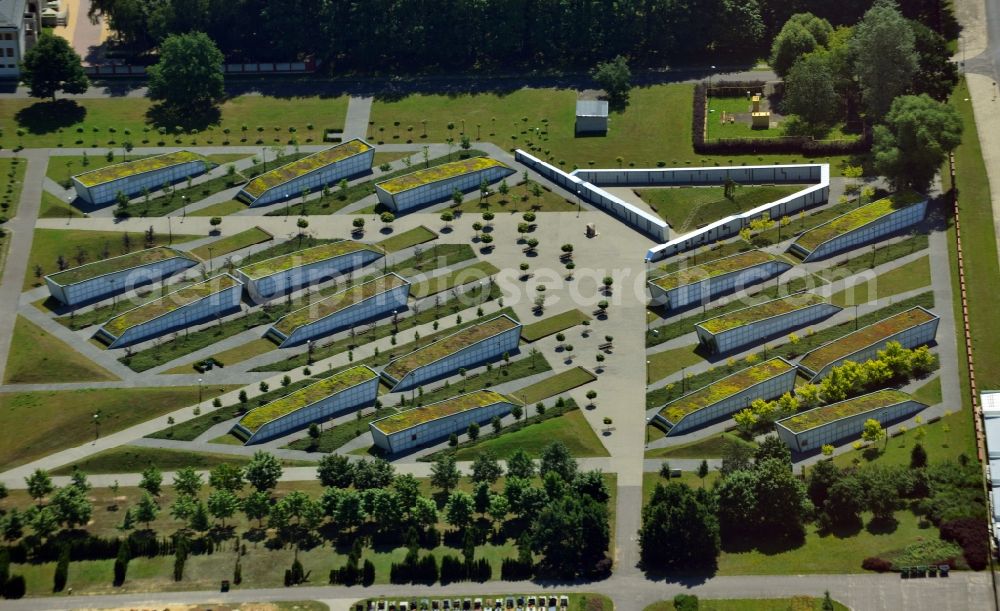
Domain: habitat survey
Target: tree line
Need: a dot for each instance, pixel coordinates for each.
(419, 35)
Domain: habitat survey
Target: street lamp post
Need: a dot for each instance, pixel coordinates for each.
(210, 259)
(199, 392)
(97, 426)
(709, 92)
(285, 196)
(184, 201)
(579, 204)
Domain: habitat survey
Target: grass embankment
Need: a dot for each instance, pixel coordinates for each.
(911, 276)
(687, 208)
(571, 428)
(100, 314)
(661, 364)
(552, 325)
(12, 171)
(407, 239)
(133, 459)
(232, 356)
(89, 122)
(554, 385)
(38, 357)
(710, 447)
(453, 279)
(49, 244)
(228, 244)
(71, 413)
(53, 207)
(654, 127)
(520, 198)
(62, 167)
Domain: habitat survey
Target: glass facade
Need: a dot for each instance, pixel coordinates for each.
(358, 396)
(848, 428)
(756, 332)
(482, 351)
(117, 283)
(374, 307)
(204, 309)
(889, 224)
(289, 280)
(133, 185)
(710, 288)
(910, 338)
(435, 430)
(439, 190)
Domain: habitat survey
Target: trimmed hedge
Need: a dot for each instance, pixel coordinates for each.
(973, 535)
(797, 145)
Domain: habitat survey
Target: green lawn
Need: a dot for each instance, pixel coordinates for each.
(54, 207)
(554, 385)
(232, 243)
(133, 459)
(823, 553)
(455, 278)
(913, 275)
(221, 209)
(520, 199)
(38, 357)
(944, 439)
(12, 171)
(72, 123)
(688, 208)
(655, 127)
(407, 239)
(48, 244)
(552, 325)
(333, 437)
(232, 356)
(384, 157)
(662, 364)
(71, 413)
(571, 428)
(797, 603)
(181, 195)
(930, 392)
(710, 447)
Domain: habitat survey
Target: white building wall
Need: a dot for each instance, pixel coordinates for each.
(358, 396)
(478, 353)
(440, 190)
(206, 308)
(441, 428)
(280, 283)
(710, 288)
(845, 428)
(757, 332)
(117, 283)
(889, 224)
(315, 180)
(134, 184)
(767, 390)
(375, 306)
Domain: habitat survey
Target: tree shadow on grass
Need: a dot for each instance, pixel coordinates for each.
(882, 526)
(48, 117)
(769, 544)
(172, 117)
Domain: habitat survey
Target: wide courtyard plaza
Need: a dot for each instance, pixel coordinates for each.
(631, 315)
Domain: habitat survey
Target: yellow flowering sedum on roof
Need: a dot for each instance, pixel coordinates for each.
(723, 389)
(305, 256)
(725, 265)
(301, 167)
(448, 345)
(256, 418)
(139, 166)
(864, 337)
(835, 411)
(336, 302)
(449, 407)
(168, 303)
(441, 172)
(93, 270)
(857, 218)
(761, 311)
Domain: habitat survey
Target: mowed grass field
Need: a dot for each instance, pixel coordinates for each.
(907, 277)
(232, 243)
(48, 244)
(68, 416)
(12, 179)
(37, 357)
(688, 208)
(48, 124)
(655, 126)
(571, 428)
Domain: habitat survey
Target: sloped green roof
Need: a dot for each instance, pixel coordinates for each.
(168, 303)
(138, 258)
(139, 166)
(337, 301)
(761, 311)
(856, 218)
(305, 256)
(301, 167)
(256, 418)
(419, 415)
(448, 345)
(440, 172)
(835, 411)
(698, 273)
(723, 389)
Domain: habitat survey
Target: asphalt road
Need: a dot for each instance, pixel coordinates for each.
(988, 62)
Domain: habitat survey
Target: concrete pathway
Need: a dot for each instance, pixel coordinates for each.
(359, 109)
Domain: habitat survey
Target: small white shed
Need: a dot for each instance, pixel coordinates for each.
(591, 117)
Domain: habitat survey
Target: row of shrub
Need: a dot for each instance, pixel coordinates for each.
(92, 547)
(801, 145)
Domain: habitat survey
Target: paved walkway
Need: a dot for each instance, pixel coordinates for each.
(358, 110)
